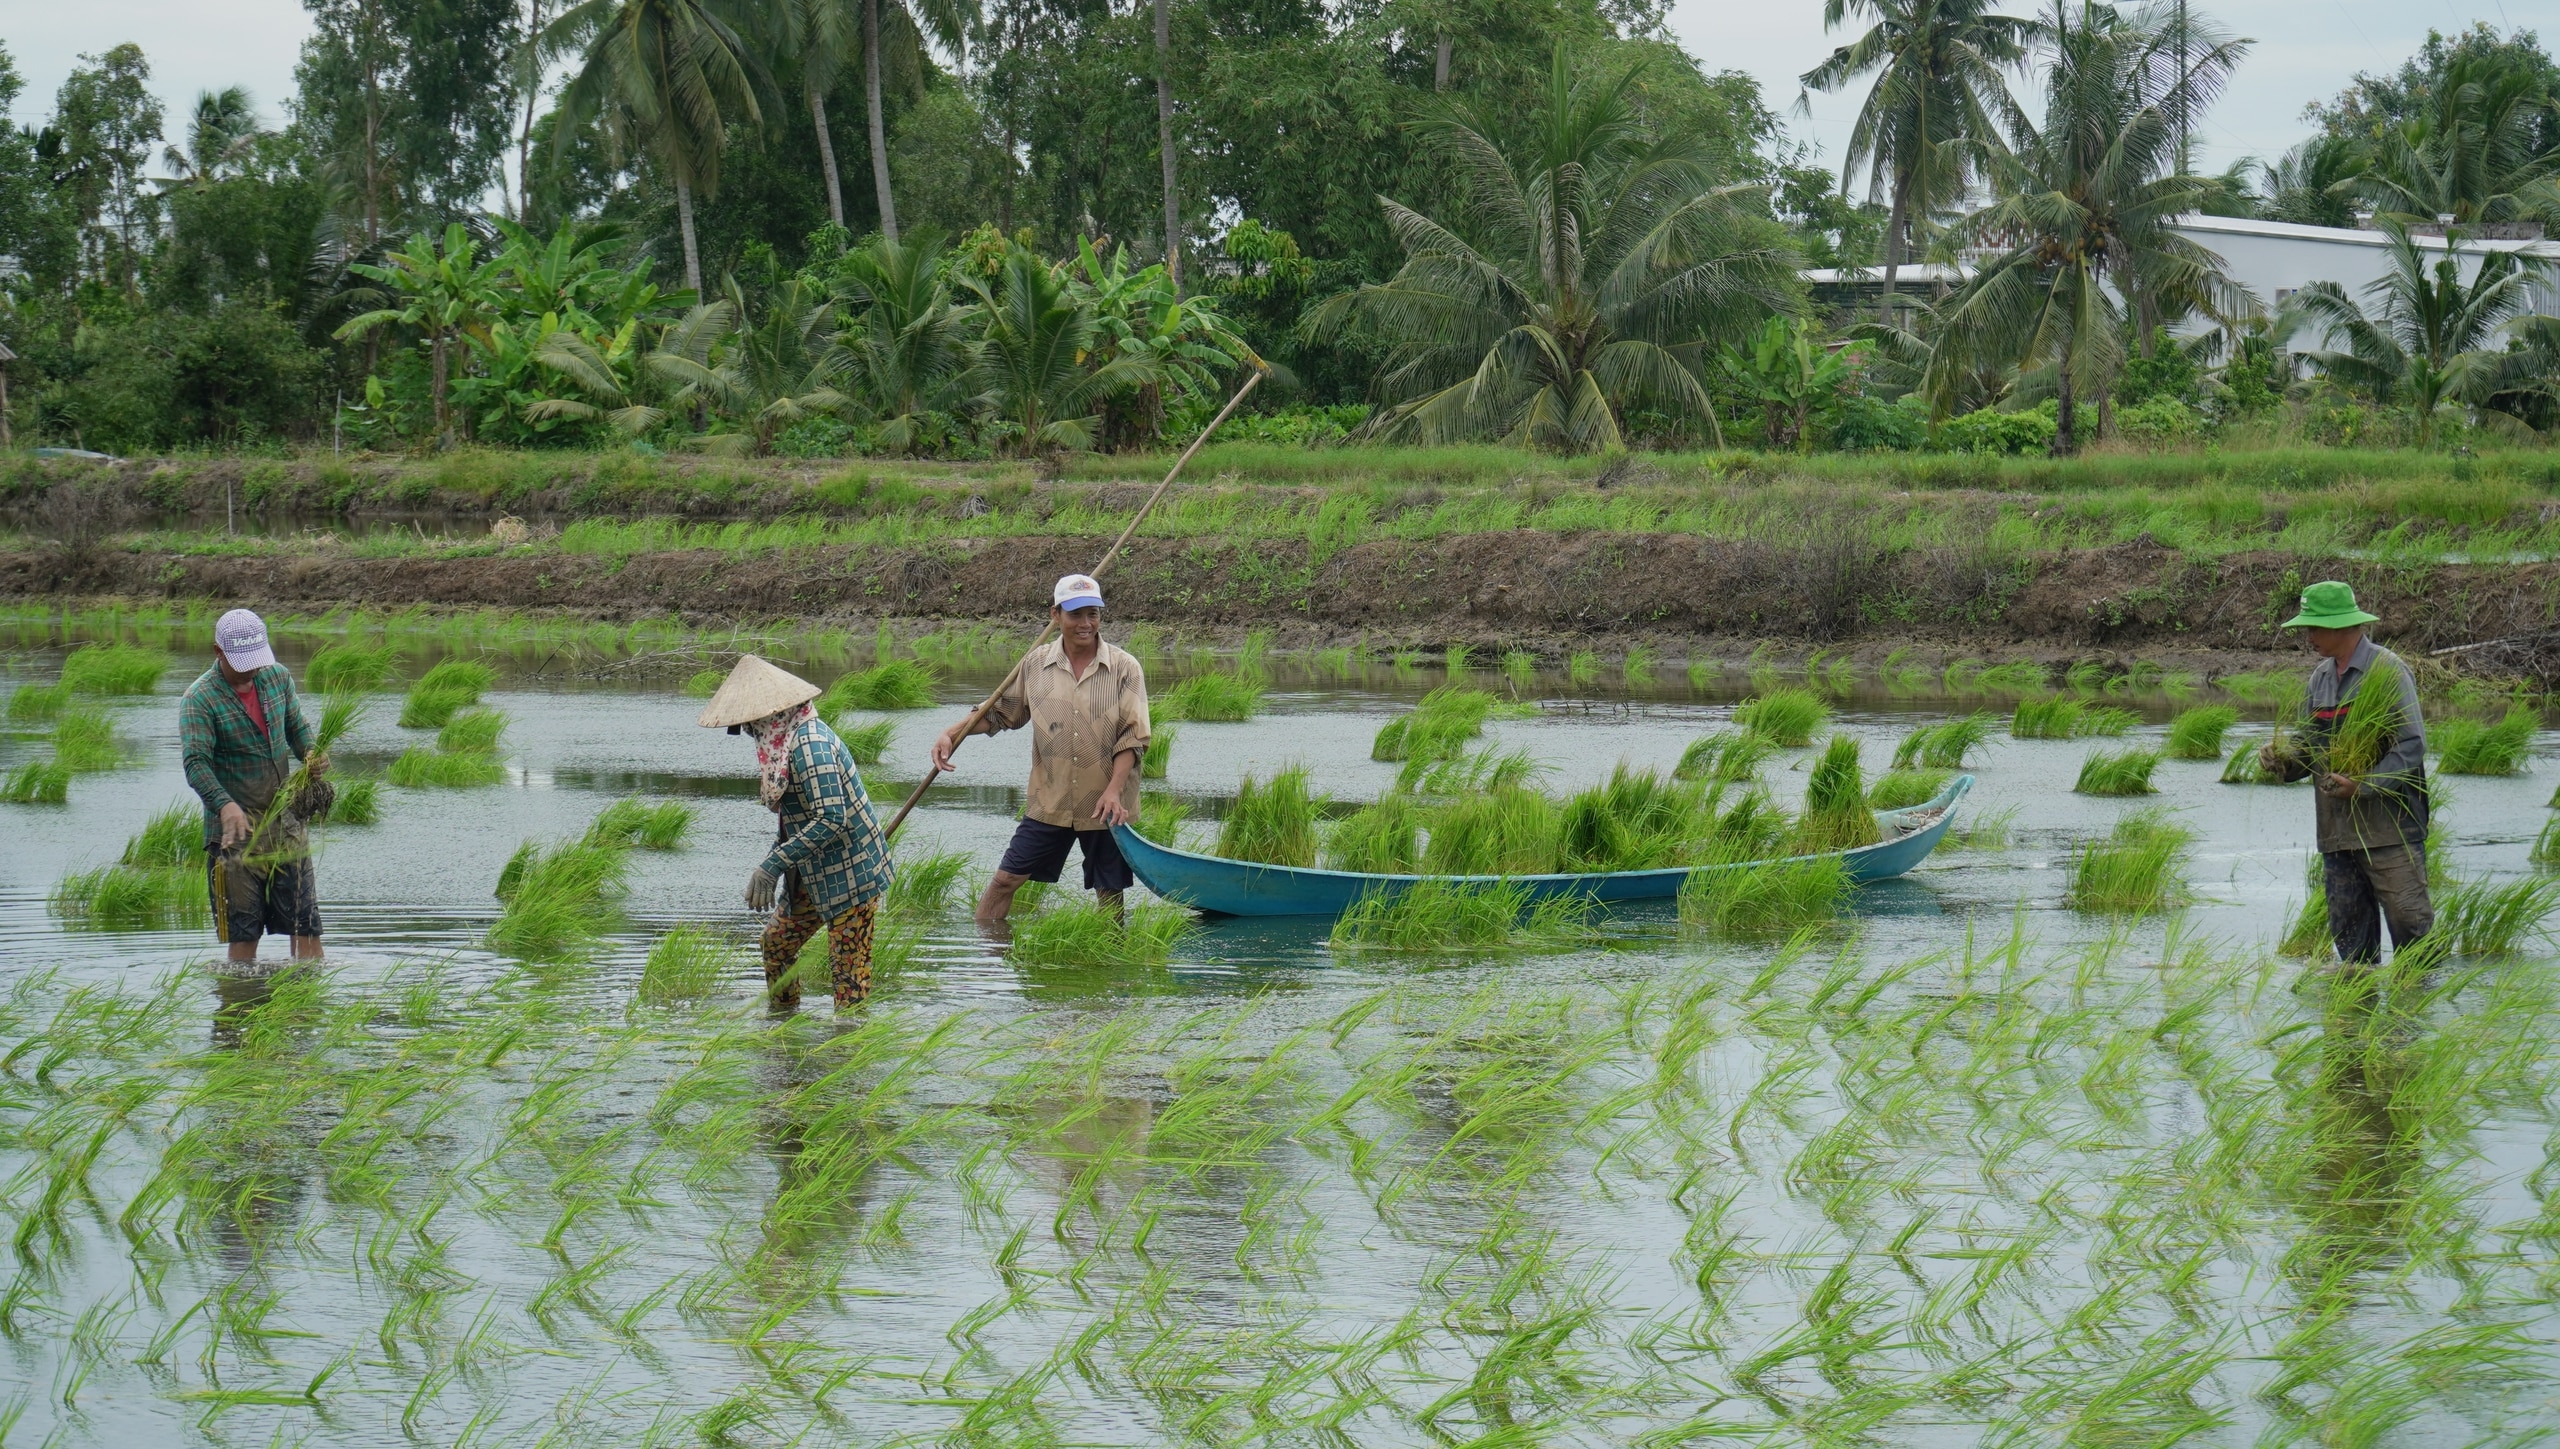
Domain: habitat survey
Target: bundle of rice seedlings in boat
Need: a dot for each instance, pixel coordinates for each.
(1161, 817)
(1380, 838)
(1729, 756)
(1836, 814)
(1637, 821)
(1510, 831)
(1900, 789)
(1743, 897)
(1273, 823)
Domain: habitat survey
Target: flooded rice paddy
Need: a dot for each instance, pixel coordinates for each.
(1969, 1168)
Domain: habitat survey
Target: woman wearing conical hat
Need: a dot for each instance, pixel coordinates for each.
(829, 865)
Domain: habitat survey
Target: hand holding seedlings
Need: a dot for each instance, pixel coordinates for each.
(2339, 787)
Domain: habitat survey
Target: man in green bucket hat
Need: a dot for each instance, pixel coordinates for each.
(2372, 817)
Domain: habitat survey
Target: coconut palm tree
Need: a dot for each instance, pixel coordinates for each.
(905, 348)
(2080, 221)
(2471, 155)
(1940, 98)
(821, 35)
(668, 75)
(2426, 338)
(1041, 354)
(1600, 267)
(222, 134)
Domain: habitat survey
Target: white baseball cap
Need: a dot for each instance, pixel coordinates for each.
(1077, 591)
(242, 638)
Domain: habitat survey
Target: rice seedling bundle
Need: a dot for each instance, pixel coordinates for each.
(1751, 828)
(175, 836)
(2134, 870)
(1160, 818)
(1902, 788)
(2262, 687)
(350, 666)
(2546, 846)
(1581, 667)
(359, 802)
(2365, 729)
(420, 768)
(1157, 757)
(1214, 698)
(1437, 729)
(113, 669)
(1638, 668)
(924, 886)
(1944, 745)
(1765, 897)
(454, 685)
(2242, 767)
(1500, 832)
(37, 782)
(472, 731)
(2057, 718)
(1787, 717)
(559, 900)
(1636, 821)
(1836, 815)
(891, 685)
(1520, 667)
(2196, 734)
(1434, 915)
(2117, 772)
(688, 963)
(1088, 935)
(2018, 676)
(2105, 719)
(2484, 918)
(2474, 747)
(85, 741)
(1273, 823)
(868, 744)
(157, 880)
(1989, 830)
(705, 683)
(1480, 772)
(634, 821)
(35, 703)
(1383, 837)
(1727, 756)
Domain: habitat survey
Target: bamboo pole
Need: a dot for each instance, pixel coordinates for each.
(969, 725)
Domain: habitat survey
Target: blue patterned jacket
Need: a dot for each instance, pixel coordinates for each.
(829, 837)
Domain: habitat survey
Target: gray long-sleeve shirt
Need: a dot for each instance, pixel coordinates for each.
(2391, 807)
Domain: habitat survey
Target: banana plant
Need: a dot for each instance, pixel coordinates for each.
(1787, 372)
(445, 291)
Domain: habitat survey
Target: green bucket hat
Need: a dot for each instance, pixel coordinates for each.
(2330, 605)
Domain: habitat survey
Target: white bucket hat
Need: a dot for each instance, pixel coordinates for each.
(242, 638)
(753, 690)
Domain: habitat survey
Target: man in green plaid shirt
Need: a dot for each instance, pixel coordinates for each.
(240, 732)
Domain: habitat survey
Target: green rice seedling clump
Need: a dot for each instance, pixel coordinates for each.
(1438, 728)
(868, 744)
(1214, 698)
(1902, 788)
(1727, 756)
(2107, 720)
(893, 685)
(472, 731)
(705, 683)
(559, 900)
(2018, 676)
(1161, 817)
(2474, 747)
(157, 880)
(687, 964)
(634, 821)
(1157, 757)
(2196, 734)
(36, 703)
(1275, 823)
(438, 694)
(1944, 745)
(924, 886)
(1509, 831)
(113, 669)
(1090, 935)
(358, 802)
(37, 782)
(2242, 767)
(350, 666)
(175, 836)
(2057, 718)
(1787, 717)
(1436, 915)
(1987, 831)
(1765, 897)
(2485, 918)
(2546, 846)
(2134, 870)
(2117, 772)
(85, 741)
(1836, 814)
(2365, 730)
(1383, 837)
(420, 768)
(1636, 821)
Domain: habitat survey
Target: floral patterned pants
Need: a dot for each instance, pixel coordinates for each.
(848, 948)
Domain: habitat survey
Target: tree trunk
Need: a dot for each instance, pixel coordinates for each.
(1440, 64)
(532, 98)
(1164, 143)
(684, 228)
(1894, 226)
(879, 127)
(2064, 444)
(827, 156)
(444, 426)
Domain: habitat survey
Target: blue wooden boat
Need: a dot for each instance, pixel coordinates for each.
(1242, 888)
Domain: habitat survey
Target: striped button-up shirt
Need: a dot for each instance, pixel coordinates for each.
(1078, 727)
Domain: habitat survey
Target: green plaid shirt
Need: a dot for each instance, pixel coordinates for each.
(224, 751)
(829, 836)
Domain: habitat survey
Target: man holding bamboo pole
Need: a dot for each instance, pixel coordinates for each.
(240, 730)
(2365, 751)
(1086, 703)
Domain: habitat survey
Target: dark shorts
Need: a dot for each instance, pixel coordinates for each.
(1039, 852)
(254, 901)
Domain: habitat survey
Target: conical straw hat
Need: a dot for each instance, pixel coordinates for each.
(753, 690)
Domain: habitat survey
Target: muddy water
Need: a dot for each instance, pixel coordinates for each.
(1467, 1196)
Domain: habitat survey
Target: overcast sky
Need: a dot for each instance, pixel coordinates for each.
(2306, 50)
